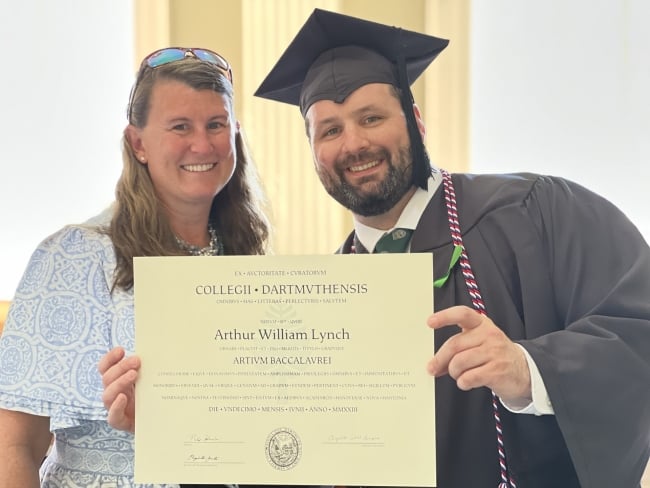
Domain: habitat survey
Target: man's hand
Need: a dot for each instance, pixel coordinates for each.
(480, 355)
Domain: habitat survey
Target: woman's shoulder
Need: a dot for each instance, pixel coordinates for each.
(90, 236)
(73, 254)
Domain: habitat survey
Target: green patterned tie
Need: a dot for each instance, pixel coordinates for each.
(395, 241)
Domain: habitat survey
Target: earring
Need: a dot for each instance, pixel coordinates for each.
(142, 158)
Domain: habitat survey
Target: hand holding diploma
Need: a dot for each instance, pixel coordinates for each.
(119, 375)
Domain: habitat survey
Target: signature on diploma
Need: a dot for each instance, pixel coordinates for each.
(201, 439)
(193, 459)
(359, 439)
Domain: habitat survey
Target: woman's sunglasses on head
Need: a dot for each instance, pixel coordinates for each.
(171, 54)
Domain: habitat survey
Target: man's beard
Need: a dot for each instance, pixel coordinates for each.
(387, 192)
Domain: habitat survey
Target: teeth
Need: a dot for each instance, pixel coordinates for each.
(364, 166)
(199, 167)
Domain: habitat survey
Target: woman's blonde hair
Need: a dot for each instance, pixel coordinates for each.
(139, 227)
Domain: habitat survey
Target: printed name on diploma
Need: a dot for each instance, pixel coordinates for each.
(280, 334)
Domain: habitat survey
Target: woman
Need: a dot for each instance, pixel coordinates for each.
(188, 187)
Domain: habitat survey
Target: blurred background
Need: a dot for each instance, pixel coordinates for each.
(553, 87)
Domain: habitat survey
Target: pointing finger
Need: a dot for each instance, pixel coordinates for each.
(462, 316)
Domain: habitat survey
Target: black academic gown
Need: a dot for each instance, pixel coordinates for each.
(567, 276)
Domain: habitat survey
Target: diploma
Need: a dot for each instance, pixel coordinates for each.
(285, 370)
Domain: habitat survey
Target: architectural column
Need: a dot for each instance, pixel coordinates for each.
(307, 220)
(447, 103)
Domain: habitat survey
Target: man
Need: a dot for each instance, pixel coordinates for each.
(542, 287)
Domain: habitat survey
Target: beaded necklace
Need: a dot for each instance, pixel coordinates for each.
(215, 248)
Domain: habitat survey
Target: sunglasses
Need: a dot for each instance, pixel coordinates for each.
(172, 54)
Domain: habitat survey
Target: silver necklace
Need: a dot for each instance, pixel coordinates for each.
(215, 248)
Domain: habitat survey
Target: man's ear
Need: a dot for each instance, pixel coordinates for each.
(134, 139)
(418, 118)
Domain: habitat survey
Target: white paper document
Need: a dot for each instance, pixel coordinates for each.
(285, 370)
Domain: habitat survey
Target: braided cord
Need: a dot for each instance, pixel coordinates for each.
(479, 306)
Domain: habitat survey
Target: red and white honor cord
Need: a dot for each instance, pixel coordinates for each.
(477, 301)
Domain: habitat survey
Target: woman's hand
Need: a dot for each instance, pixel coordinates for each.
(119, 375)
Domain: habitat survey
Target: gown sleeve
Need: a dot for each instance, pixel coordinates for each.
(596, 367)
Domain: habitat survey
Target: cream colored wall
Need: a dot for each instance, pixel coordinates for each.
(447, 104)
(252, 34)
(307, 219)
(4, 308)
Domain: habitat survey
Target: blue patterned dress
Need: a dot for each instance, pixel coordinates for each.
(62, 320)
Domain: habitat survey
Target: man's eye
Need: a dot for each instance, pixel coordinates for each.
(371, 119)
(332, 131)
(215, 125)
(180, 127)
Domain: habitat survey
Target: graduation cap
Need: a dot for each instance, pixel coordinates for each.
(334, 54)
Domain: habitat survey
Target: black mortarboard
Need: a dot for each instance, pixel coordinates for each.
(334, 54)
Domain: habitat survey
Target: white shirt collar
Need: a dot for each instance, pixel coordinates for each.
(410, 215)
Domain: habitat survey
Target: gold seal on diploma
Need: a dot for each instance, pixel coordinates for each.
(283, 448)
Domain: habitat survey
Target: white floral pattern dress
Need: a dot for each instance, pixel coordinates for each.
(62, 320)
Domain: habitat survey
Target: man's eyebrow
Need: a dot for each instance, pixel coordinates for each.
(372, 107)
(327, 121)
(357, 112)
